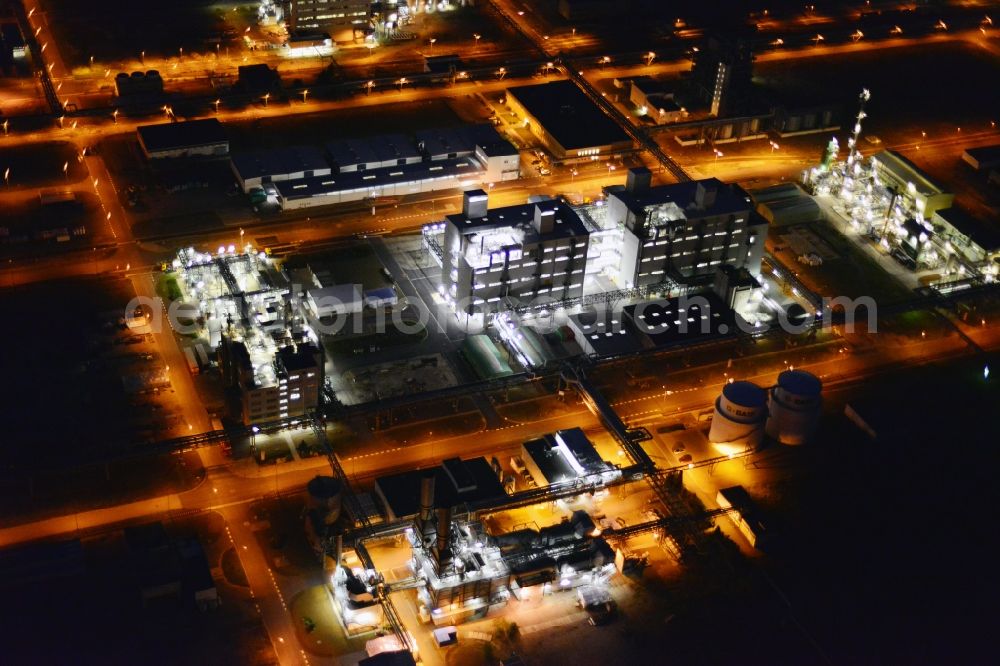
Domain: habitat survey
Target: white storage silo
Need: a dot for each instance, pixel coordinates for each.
(794, 405)
(740, 413)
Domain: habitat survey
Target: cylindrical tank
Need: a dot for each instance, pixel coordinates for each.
(740, 413)
(324, 493)
(794, 405)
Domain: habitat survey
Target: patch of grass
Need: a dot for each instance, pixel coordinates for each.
(313, 608)
(167, 288)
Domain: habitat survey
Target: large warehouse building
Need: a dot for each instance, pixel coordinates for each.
(390, 165)
(564, 119)
(188, 138)
(258, 168)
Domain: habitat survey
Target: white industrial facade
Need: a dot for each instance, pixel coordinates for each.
(391, 182)
(680, 232)
(382, 166)
(262, 167)
(522, 252)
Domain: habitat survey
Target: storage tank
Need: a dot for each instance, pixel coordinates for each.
(324, 493)
(739, 416)
(794, 405)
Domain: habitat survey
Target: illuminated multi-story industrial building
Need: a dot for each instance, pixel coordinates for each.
(268, 353)
(515, 252)
(722, 72)
(341, 19)
(287, 387)
(683, 231)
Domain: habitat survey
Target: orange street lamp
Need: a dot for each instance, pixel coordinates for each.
(305, 95)
(401, 82)
(267, 96)
(216, 103)
(817, 39)
(650, 57)
(368, 87)
(6, 124)
(477, 37)
(502, 72)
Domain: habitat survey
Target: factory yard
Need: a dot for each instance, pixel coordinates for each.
(490, 365)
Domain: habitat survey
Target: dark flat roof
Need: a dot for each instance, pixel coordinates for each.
(185, 134)
(605, 334)
(402, 491)
(568, 115)
(729, 197)
(376, 178)
(582, 449)
(273, 162)
(567, 222)
(669, 322)
(650, 86)
(982, 233)
(989, 154)
(398, 658)
(550, 460)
